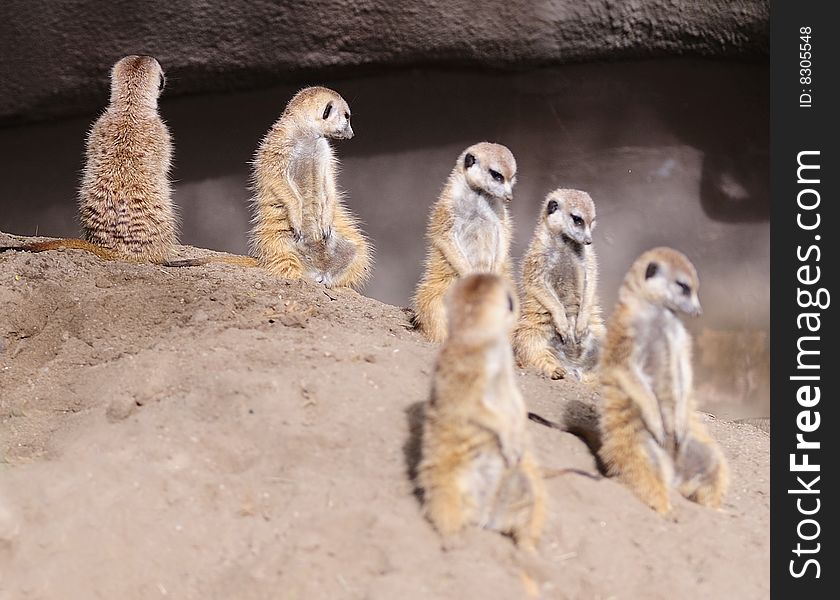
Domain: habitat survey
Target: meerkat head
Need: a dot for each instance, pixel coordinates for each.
(664, 276)
(570, 213)
(489, 169)
(137, 80)
(322, 111)
(481, 308)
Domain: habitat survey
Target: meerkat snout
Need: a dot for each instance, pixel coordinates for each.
(571, 213)
(482, 303)
(336, 120)
(492, 173)
(675, 285)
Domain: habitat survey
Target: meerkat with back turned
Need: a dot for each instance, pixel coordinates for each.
(652, 438)
(476, 466)
(125, 204)
(301, 227)
(469, 230)
(561, 328)
(125, 201)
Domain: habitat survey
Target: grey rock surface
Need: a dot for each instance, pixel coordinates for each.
(56, 53)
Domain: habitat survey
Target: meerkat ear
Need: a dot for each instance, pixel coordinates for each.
(469, 160)
(552, 207)
(651, 270)
(327, 110)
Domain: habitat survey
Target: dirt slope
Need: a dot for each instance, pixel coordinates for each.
(218, 433)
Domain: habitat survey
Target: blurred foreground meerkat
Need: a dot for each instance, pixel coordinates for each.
(301, 227)
(476, 466)
(561, 328)
(469, 230)
(652, 438)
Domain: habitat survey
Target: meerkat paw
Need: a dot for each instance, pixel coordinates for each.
(662, 506)
(556, 373)
(655, 494)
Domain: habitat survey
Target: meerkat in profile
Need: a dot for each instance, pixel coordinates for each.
(561, 329)
(476, 466)
(469, 230)
(301, 227)
(652, 438)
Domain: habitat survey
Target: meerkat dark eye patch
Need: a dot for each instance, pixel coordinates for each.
(496, 175)
(161, 83)
(347, 116)
(469, 160)
(552, 207)
(577, 220)
(686, 289)
(651, 270)
(510, 303)
(327, 111)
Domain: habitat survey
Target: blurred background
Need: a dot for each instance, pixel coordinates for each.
(658, 108)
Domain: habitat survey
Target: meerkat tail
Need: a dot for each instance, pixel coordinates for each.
(552, 473)
(64, 244)
(239, 261)
(545, 422)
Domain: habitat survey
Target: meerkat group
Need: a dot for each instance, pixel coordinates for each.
(476, 465)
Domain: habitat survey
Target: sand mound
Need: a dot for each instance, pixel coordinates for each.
(218, 433)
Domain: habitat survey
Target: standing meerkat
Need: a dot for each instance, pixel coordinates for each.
(561, 328)
(469, 230)
(301, 227)
(652, 438)
(125, 204)
(125, 201)
(476, 466)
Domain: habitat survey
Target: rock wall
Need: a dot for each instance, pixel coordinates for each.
(56, 53)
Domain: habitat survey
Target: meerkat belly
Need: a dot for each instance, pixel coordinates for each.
(567, 279)
(478, 236)
(483, 478)
(326, 259)
(308, 171)
(656, 370)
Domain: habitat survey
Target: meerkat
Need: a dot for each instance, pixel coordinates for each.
(652, 439)
(561, 327)
(125, 204)
(301, 227)
(476, 466)
(469, 231)
(125, 201)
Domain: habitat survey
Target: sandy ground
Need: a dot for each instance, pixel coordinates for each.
(218, 433)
